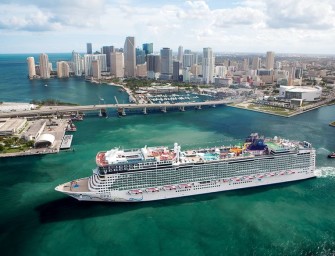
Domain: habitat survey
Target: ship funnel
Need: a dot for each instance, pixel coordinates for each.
(176, 150)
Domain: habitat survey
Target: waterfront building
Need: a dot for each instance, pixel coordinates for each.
(77, 64)
(117, 64)
(107, 50)
(180, 55)
(44, 66)
(148, 48)
(303, 93)
(256, 63)
(166, 64)
(89, 48)
(141, 70)
(63, 69)
(88, 58)
(208, 65)
(129, 57)
(270, 60)
(31, 67)
(176, 68)
(96, 72)
(186, 75)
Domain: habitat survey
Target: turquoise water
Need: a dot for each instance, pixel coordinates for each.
(287, 219)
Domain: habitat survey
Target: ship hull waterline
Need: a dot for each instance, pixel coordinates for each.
(161, 194)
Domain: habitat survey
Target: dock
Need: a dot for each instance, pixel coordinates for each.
(66, 142)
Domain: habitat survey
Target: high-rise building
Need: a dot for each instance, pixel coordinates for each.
(176, 68)
(208, 65)
(129, 57)
(63, 69)
(31, 67)
(180, 54)
(96, 72)
(89, 48)
(256, 63)
(270, 60)
(117, 64)
(88, 58)
(154, 63)
(140, 56)
(188, 60)
(44, 66)
(166, 64)
(77, 64)
(107, 50)
(148, 48)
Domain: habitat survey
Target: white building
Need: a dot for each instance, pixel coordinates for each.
(304, 93)
(117, 64)
(208, 65)
(31, 67)
(77, 64)
(129, 57)
(63, 69)
(88, 58)
(44, 66)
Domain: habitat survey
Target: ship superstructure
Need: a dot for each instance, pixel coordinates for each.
(155, 173)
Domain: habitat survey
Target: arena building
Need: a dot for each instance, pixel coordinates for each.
(304, 93)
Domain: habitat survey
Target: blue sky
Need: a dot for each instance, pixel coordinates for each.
(287, 26)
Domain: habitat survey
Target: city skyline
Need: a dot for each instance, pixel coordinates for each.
(306, 27)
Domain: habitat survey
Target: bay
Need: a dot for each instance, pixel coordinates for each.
(287, 219)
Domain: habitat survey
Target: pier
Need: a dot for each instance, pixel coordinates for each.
(121, 108)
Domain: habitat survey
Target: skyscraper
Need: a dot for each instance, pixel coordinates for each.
(188, 60)
(107, 50)
(63, 69)
(153, 63)
(96, 72)
(256, 63)
(208, 65)
(129, 57)
(180, 54)
(148, 48)
(77, 64)
(89, 48)
(176, 67)
(44, 66)
(166, 64)
(117, 64)
(88, 58)
(31, 67)
(270, 60)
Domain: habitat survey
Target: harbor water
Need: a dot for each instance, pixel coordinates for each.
(288, 219)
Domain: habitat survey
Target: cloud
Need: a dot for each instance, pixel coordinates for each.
(301, 14)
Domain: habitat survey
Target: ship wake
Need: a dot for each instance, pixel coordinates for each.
(325, 172)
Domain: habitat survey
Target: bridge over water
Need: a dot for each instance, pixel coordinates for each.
(122, 108)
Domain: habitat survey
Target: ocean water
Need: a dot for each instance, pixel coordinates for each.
(287, 219)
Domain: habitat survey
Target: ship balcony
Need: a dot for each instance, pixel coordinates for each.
(77, 186)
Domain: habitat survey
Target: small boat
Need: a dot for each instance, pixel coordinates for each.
(45, 85)
(152, 190)
(169, 187)
(331, 155)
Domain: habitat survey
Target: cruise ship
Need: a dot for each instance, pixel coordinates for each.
(156, 173)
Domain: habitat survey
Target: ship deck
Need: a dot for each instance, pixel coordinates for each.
(79, 186)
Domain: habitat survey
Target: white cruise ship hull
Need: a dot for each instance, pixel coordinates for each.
(193, 189)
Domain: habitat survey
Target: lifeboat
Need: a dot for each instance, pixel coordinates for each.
(282, 173)
(261, 176)
(152, 190)
(135, 192)
(169, 187)
(184, 186)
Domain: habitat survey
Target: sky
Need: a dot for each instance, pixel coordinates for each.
(250, 26)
